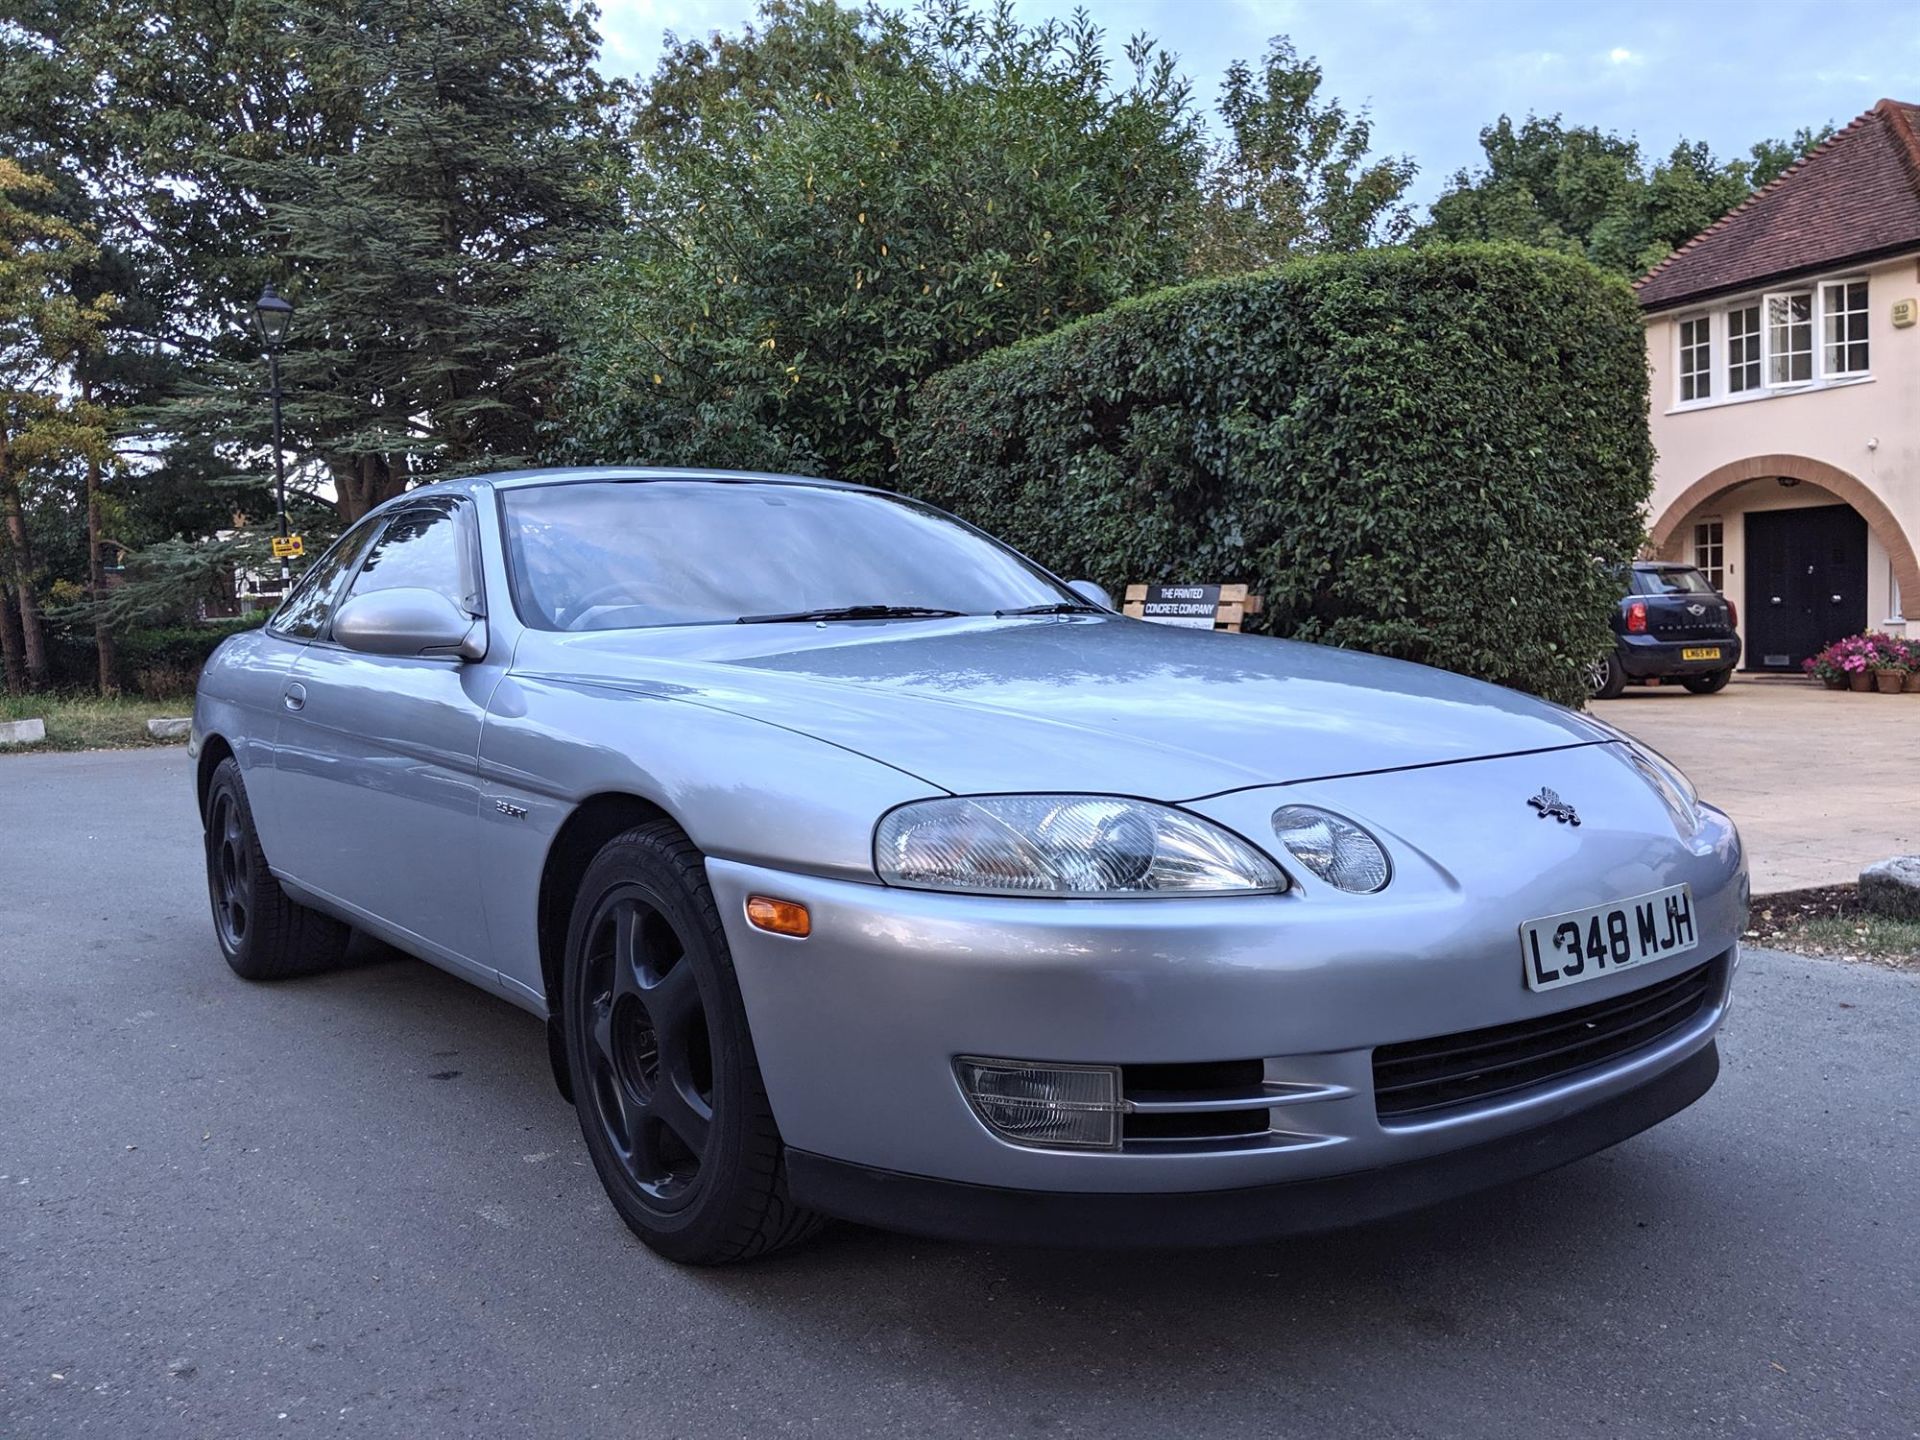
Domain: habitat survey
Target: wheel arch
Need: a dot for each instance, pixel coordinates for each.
(581, 836)
(213, 749)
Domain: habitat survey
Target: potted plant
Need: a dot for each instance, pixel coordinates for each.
(1854, 656)
(1825, 668)
(1890, 663)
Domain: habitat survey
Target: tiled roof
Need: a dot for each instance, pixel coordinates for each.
(1857, 195)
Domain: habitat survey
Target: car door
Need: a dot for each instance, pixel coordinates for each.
(378, 754)
(302, 616)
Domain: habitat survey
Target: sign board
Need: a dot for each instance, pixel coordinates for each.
(1200, 607)
(288, 547)
(1193, 606)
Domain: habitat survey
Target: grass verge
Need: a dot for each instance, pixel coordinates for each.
(1830, 922)
(90, 722)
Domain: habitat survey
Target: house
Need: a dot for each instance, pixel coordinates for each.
(1786, 395)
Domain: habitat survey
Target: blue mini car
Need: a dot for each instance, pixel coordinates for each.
(1670, 625)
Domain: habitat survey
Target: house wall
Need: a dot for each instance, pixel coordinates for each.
(1867, 429)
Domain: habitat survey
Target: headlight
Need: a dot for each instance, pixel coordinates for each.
(1676, 792)
(1080, 845)
(1333, 847)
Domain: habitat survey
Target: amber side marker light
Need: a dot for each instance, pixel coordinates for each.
(781, 917)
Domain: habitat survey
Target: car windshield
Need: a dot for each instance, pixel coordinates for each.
(1672, 582)
(620, 554)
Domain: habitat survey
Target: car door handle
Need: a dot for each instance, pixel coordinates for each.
(1776, 599)
(1836, 599)
(296, 696)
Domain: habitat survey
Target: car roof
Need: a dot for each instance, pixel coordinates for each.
(1663, 565)
(580, 474)
(577, 474)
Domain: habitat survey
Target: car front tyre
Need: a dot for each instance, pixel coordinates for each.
(665, 1081)
(264, 934)
(1708, 684)
(1606, 678)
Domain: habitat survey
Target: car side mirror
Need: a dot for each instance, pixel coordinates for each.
(408, 620)
(1087, 590)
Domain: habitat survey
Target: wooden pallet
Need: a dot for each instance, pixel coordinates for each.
(1234, 606)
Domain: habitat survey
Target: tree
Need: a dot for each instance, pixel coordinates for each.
(1587, 192)
(46, 330)
(1293, 177)
(1769, 159)
(835, 206)
(462, 145)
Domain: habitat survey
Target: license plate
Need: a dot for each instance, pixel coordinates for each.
(1586, 944)
(1700, 652)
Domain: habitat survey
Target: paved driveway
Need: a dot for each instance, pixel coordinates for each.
(354, 1205)
(1821, 783)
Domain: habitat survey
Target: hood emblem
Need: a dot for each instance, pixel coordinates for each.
(1548, 804)
(1696, 608)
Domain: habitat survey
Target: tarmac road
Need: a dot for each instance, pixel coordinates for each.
(356, 1205)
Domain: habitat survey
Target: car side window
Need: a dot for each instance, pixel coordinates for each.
(303, 615)
(421, 548)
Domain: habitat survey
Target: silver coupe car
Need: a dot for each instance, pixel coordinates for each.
(858, 866)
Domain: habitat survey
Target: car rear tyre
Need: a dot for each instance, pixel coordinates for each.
(1708, 684)
(1606, 679)
(665, 1080)
(264, 934)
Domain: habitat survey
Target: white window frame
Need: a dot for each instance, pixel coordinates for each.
(1722, 344)
(1865, 312)
(1717, 545)
(1767, 352)
(1749, 357)
(1703, 348)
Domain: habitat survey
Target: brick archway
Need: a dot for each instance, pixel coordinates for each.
(1664, 539)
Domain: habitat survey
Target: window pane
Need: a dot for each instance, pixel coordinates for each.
(1857, 357)
(609, 555)
(305, 612)
(420, 549)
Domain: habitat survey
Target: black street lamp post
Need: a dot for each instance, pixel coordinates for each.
(273, 315)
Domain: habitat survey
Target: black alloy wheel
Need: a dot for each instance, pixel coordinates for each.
(664, 1078)
(229, 870)
(263, 933)
(650, 1061)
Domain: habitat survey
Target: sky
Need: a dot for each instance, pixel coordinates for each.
(1433, 72)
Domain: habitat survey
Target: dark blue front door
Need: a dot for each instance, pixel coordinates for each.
(1806, 582)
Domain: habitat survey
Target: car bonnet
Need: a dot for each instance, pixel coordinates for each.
(1092, 704)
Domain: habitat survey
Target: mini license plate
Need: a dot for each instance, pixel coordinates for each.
(1700, 652)
(1586, 944)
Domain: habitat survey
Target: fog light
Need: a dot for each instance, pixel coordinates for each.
(1072, 1107)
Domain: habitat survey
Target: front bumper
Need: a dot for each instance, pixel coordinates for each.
(996, 1215)
(856, 1027)
(1643, 657)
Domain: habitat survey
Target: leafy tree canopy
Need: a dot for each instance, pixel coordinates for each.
(830, 208)
(1589, 192)
(1294, 176)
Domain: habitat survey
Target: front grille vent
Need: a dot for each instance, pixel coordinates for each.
(1426, 1077)
(1210, 1087)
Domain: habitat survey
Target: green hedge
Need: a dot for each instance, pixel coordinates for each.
(1425, 453)
(162, 662)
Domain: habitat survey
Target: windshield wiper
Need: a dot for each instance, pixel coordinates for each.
(1053, 607)
(853, 612)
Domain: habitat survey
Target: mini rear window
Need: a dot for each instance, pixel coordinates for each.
(1678, 581)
